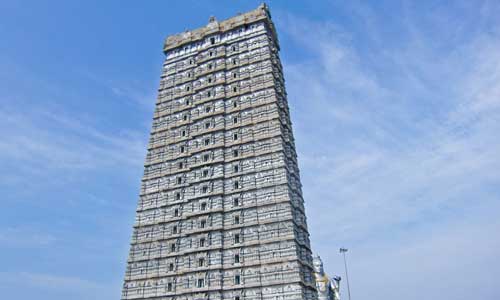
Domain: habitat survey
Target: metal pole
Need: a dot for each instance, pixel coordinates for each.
(343, 251)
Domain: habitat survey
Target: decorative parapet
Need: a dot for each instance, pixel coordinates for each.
(215, 27)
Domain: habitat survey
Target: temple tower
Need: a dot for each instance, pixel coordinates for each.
(221, 214)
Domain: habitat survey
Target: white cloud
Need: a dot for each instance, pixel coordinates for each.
(397, 142)
(369, 150)
(42, 144)
(141, 94)
(451, 262)
(25, 238)
(396, 150)
(43, 286)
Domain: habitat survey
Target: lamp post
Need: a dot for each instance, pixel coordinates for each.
(343, 251)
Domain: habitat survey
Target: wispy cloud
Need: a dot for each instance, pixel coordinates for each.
(25, 237)
(396, 112)
(141, 94)
(440, 261)
(37, 142)
(366, 141)
(43, 285)
(389, 147)
(144, 99)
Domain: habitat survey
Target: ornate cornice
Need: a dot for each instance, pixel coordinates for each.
(215, 27)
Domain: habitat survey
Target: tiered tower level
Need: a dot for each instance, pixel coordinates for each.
(221, 214)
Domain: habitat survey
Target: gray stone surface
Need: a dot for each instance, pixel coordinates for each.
(221, 213)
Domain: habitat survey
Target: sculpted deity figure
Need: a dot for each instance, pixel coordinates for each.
(328, 289)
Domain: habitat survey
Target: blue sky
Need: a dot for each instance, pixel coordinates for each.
(396, 113)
